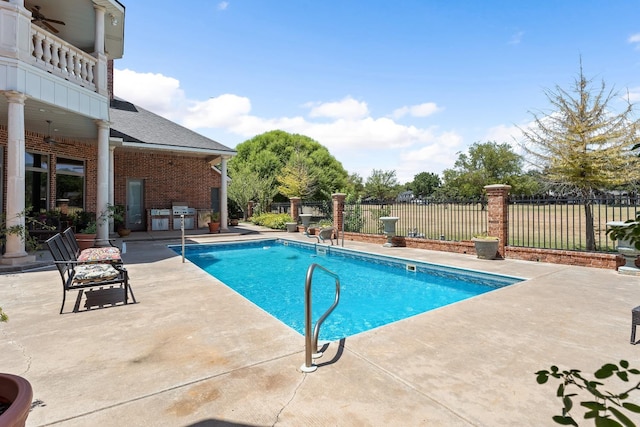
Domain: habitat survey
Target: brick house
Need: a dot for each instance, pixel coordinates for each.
(64, 139)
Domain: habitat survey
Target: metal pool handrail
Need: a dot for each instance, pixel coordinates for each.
(311, 340)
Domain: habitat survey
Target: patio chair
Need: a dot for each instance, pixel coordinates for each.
(79, 275)
(325, 234)
(105, 254)
(635, 321)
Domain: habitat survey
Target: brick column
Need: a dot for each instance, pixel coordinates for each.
(498, 213)
(295, 205)
(338, 211)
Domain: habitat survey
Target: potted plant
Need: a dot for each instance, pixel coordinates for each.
(86, 237)
(214, 222)
(486, 246)
(292, 227)
(16, 395)
(117, 212)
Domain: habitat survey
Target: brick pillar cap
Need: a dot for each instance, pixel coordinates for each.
(497, 187)
(294, 198)
(339, 195)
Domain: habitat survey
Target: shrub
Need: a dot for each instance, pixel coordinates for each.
(602, 406)
(271, 220)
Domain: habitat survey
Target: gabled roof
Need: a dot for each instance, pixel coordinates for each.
(140, 128)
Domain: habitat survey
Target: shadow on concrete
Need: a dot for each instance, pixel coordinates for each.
(100, 298)
(336, 356)
(219, 423)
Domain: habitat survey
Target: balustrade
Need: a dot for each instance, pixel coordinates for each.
(62, 59)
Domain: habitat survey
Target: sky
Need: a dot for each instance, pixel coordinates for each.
(401, 85)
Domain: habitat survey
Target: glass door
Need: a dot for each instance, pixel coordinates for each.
(135, 205)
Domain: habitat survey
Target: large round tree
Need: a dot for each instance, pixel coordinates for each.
(274, 157)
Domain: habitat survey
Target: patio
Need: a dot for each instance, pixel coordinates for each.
(192, 352)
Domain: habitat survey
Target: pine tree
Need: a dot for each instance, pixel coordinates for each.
(583, 146)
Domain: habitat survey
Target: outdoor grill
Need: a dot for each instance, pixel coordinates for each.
(160, 219)
(189, 216)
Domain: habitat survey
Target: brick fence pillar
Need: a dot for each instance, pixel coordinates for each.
(295, 207)
(498, 213)
(338, 210)
(250, 209)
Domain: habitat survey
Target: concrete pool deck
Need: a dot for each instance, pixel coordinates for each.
(192, 352)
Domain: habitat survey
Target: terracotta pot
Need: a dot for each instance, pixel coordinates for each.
(124, 232)
(85, 241)
(18, 391)
(214, 227)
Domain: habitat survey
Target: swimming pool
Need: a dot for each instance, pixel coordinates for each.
(375, 290)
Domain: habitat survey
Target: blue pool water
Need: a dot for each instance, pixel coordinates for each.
(375, 290)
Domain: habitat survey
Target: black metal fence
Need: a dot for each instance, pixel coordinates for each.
(443, 219)
(541, 222)
(560, 223)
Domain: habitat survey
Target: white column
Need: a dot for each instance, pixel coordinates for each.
(15, 248)
(111, 182)
(17, 2)
(223, 194)
(102, 194)
(98, 46)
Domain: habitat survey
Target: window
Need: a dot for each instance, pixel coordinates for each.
(37, 181)
(70, 181)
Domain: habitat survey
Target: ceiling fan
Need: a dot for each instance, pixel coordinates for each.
(40, 19)
(49, 139)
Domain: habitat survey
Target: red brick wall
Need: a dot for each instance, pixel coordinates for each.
(67, 148)
(167, 178)
(584, 259)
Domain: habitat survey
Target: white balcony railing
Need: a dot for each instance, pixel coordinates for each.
(58, 57)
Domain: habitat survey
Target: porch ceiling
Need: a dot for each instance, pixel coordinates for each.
(63, 122)
(79, 28)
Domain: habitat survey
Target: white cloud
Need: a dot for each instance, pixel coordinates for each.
(155, 92)
(354, 137)
(420, 110)
(224, 111)
(634, 94)
(223, 5)
(503, 133)
(635, 38)
(348, 108)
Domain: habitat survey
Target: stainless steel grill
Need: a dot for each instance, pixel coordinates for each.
(189, 217)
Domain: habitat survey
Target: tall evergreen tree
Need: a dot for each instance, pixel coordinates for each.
(582, 145)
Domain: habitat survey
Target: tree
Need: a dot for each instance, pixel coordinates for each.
(296, 179)
(583, 146)
(381, 184)
(424, 184)
(243, 187)
(355, 187)
(486, 163)
(267, 154)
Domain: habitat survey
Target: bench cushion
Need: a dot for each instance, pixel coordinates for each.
(94, 273)
(108, 253)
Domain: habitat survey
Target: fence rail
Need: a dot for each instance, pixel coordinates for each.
(444, 220)
(560, 223)
(545, 223)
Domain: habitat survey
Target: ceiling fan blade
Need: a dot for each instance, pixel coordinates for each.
(49, 26)
(55, 21)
